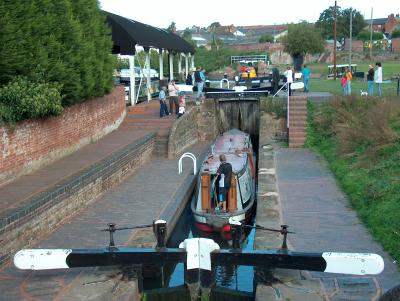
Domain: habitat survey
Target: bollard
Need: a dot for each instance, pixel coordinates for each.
(111, 229)
(284, 232)
(236, 233)
(160, 231)
(398, 85)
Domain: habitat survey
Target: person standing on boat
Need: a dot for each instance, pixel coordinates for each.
(225, 173)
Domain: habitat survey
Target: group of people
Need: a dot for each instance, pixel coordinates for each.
(176, 99)
(373, 76)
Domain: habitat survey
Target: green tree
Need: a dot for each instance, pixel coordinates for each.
(213, 26)
(366, 36)
(396, 33)
(187, 35)
(301, 39)
(326, 21)
(267, 38)
(64, 41)
(171, 27)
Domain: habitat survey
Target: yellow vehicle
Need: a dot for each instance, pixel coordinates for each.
(248, 72)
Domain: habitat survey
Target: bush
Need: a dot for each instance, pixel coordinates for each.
(359, 124)
(275, 107)
(22, 99)
(359, 139)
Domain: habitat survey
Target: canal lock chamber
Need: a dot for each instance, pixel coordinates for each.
(231, 282)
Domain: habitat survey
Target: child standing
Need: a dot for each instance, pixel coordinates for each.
(343, 83)
(182, 104)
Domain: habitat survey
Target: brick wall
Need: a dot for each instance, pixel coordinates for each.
(356, 45)
(184, 133)
(44, 212)
(28, 145)
(396, 45)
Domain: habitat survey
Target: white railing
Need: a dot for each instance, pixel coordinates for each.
(191, 156)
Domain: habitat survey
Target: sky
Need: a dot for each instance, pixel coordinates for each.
(258, 12)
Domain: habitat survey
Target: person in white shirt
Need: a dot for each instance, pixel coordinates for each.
(378, 76)
(173, 97)
(289, 79)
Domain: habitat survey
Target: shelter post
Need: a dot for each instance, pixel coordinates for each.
(148, 79)
(171, 65)
(191, 60)
(186, 65)
(132, 79)
(161, 61)
(180, 63)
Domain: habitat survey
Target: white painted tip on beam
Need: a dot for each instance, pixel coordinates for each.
(41, 259)
(160, 221)
(198, 252)
(353, 263)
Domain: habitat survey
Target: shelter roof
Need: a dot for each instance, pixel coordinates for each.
(127, 33)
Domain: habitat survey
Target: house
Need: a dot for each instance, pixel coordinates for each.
(385, 25)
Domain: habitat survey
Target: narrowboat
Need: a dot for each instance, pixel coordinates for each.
(208, 216)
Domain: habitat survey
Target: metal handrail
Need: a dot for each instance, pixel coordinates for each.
(191, 156)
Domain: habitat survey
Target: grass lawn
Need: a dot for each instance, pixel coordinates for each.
(322, 84)
(334, 87)
(390, 69)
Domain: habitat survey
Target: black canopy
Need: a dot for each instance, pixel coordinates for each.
(127, 33)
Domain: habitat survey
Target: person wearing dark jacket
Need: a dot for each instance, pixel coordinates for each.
(370, 80)
(225, 173)
(275, 80)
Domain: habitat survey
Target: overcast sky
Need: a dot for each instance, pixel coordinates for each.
(238, 12)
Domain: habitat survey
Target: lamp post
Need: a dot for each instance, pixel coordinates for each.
(351, 36)
(334, 43)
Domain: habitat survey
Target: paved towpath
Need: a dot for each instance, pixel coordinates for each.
(151, 192)
(315, 208)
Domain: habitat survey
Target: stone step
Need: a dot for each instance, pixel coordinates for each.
(155, 119)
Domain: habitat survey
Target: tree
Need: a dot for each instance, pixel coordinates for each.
(301, 39)
(64, 41)
(396, 33)
(171, 27)
(213, 26)
(266, 38)
(326, 20)
(366, 36)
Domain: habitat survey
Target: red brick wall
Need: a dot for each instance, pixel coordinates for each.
(396, 45)
(29, 145)
(391, 23)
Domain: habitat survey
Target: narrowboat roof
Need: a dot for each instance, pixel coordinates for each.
(235, 145)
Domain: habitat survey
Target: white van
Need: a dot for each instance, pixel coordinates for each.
(125, 73)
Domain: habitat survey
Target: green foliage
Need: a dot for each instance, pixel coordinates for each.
(326, 20)
(64, 42)
(266, 38)
(274, 106)
(171, 27)
(365, 35)
(22, 99)
(396, 33)
(217, 58)
(122, 63)
(367, 172)
(301, 39)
